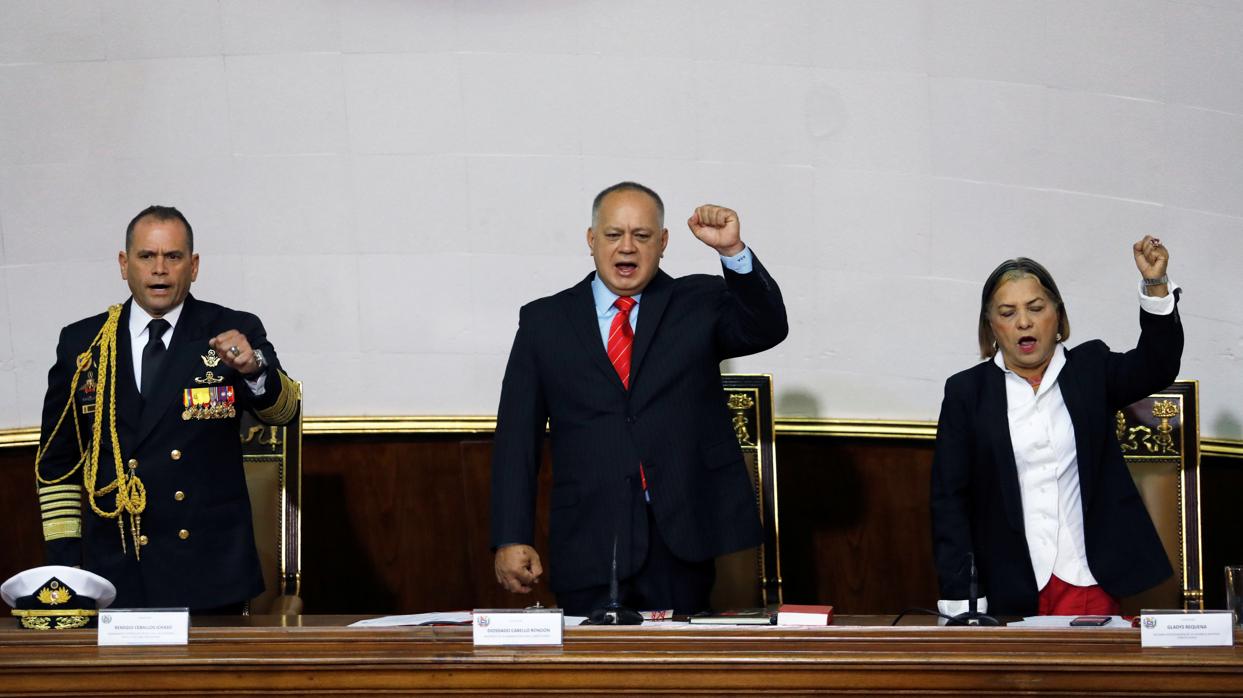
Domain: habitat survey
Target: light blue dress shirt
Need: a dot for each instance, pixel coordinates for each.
(605, 310)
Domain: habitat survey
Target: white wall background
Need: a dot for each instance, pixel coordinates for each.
(386, 182)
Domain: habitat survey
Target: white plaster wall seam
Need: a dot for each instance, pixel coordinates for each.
(51, 32)
(510, 105)
(403, 103)
(1191, 108)
(1207, 212)
(230, 97)
(280, 26)
(881, 35)
(1117, 47)
(1043, 189)
(277, 198)
(6, 328)
(171, 107)
(1055, 90)
(1205, 149)
(3, 253)
(1203, 45)
(987, 39)
(155, 29)
(287, 103)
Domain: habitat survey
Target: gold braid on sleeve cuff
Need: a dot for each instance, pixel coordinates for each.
(286, 405)
(61, 506)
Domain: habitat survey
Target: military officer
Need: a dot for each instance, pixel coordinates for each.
(139, 469)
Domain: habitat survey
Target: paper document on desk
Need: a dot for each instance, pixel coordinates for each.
(445, 617)
(1064, 622)
(441, 618)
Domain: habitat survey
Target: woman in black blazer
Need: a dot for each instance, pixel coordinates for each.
(1028, 477)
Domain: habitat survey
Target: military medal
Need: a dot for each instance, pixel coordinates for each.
(216, 402)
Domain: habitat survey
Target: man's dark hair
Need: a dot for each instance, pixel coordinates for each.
(627, 186)
(1012, 270)
(160, 213)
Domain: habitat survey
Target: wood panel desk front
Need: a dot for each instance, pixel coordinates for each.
(858, 655)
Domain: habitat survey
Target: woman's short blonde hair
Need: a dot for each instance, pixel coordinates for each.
(1011, 270)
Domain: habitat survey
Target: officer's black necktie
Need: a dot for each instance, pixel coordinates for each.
(153, 356)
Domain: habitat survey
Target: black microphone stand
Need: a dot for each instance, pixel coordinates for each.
(614, 613)
(973, 615)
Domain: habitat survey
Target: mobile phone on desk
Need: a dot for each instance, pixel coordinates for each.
(1089, 621)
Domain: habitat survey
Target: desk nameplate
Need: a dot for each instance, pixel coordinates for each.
(144, 626)
(498, 626)
(1177, 628)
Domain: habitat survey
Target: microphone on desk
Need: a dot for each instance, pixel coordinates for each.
(973, 615)
(614, 613)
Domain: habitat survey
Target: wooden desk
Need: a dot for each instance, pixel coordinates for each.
(858, 655)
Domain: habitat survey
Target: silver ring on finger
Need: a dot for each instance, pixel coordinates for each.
(235, 351)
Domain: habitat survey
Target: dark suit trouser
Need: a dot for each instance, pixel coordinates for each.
(663, 582)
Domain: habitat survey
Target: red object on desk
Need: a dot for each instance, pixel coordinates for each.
(795, 614)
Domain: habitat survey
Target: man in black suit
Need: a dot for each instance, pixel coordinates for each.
(142, 408)
(624, 368)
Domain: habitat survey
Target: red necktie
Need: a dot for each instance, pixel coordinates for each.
(621, 339)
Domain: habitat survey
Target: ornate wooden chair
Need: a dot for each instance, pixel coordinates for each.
(752, 578)
(1160, 439)
(273, 461)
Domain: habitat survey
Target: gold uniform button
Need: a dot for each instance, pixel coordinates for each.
(183, 534)
(175, 455)
(133, 463)
(142, 540)
(179, 495)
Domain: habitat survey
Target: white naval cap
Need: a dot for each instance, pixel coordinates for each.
(87, 584)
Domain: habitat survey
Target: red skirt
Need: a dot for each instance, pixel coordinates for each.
(1058, 598)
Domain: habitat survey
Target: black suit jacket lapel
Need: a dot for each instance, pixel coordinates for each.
(1082, 424)
(176, 369)
(582, 317)
(997, 422)
(652, 309)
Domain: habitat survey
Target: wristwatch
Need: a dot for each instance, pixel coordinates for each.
(261, 360)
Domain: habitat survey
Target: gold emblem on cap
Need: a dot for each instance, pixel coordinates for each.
(211, 359)
(53, 594)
